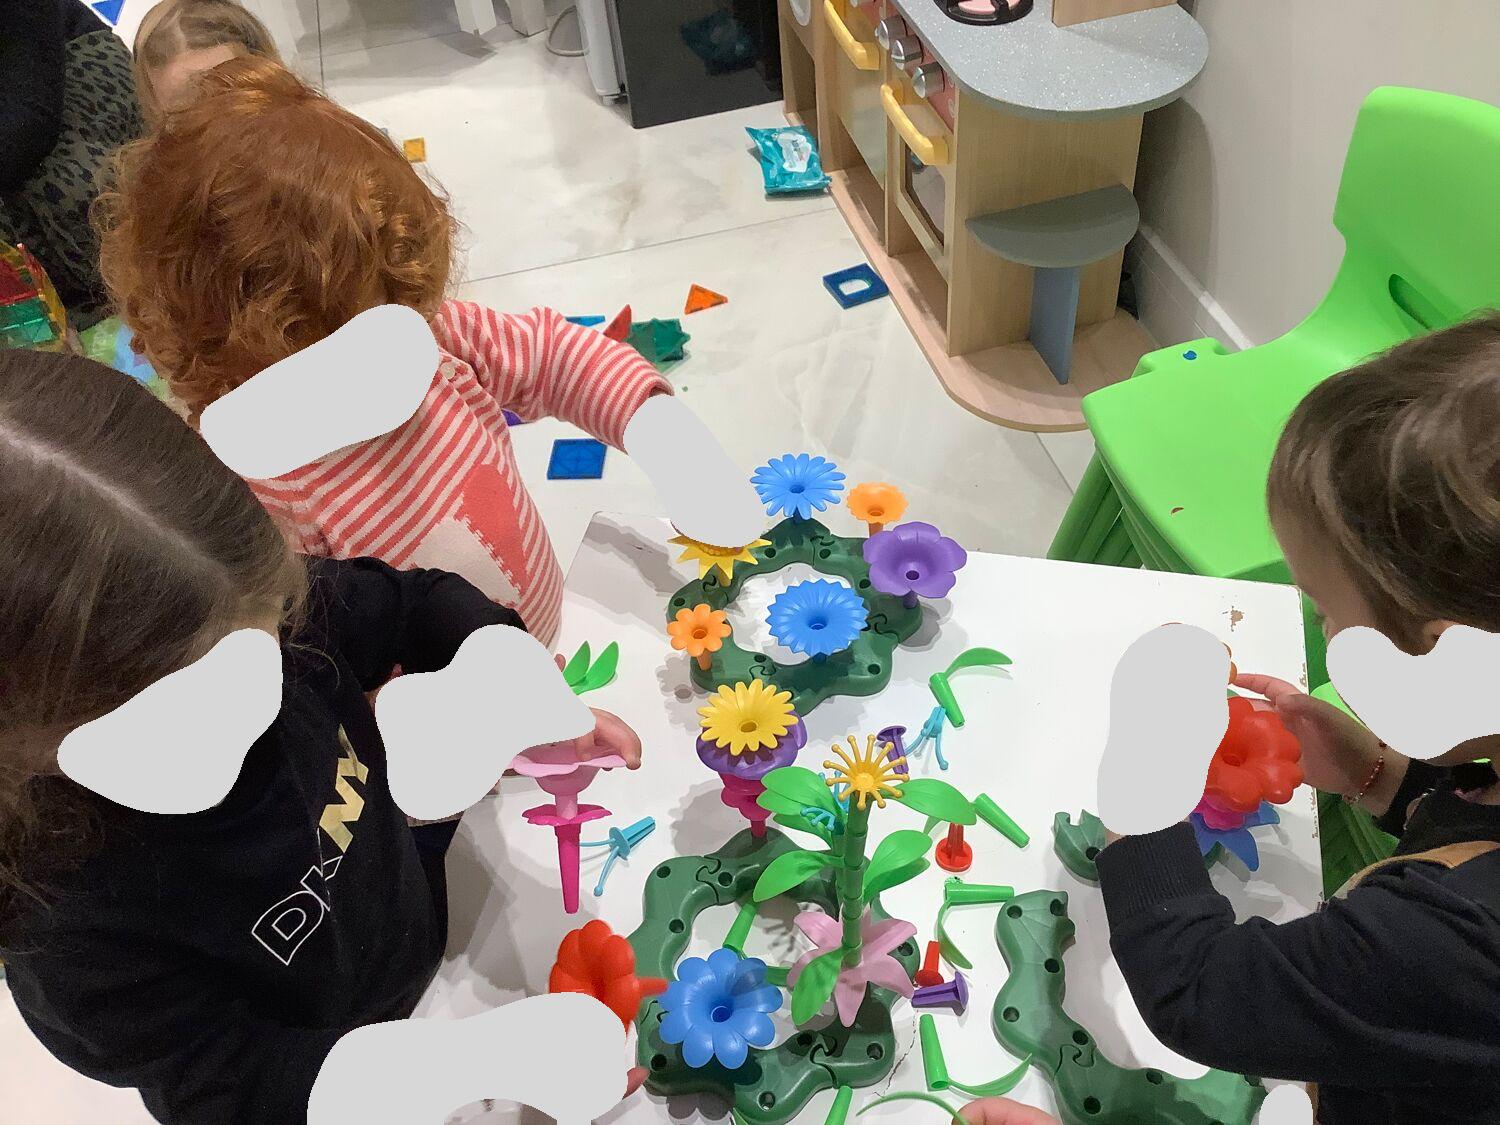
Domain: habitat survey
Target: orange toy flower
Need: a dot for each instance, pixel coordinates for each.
(598, 962)
(699, 631)
(877, 504)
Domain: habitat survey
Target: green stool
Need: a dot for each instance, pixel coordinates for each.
(1178, 480)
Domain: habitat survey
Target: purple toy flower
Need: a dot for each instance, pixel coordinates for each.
(913, 559)
(752, 765)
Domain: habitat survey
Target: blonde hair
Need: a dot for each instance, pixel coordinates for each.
(175, 26)
(1397, 463)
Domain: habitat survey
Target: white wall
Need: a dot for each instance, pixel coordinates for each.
(1237, 179)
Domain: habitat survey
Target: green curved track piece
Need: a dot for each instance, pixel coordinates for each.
(774, 1085)
(1032, 931)
(1078, 845)
(863, 668)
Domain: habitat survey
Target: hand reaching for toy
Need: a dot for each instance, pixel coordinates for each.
(1003, 1111)
(611, 735)
(1339, 753)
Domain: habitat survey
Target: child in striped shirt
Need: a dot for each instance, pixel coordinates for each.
(261, 218)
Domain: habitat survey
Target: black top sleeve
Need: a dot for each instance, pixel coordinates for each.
(1421, 777)
(32, 35)
(381, 618)
(197, 1053)
(1384, 983)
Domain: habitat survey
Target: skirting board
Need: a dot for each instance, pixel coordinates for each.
(1174, 306)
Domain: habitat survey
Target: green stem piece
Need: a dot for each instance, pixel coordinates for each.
(998, 819)
(777, 974)
(841, 1103)
(942, 691)
(935, 1067)
(851, 879)
(958, 893)
(915, 1096)
(738, 932)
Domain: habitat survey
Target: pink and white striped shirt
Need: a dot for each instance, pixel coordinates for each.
(443, 489)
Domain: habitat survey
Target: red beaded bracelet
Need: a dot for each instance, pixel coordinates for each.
(1370, 781)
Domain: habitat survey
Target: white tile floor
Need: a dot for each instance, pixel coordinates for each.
(564, 204)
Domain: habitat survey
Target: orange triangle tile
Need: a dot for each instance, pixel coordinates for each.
(700, 298)
(619, 328)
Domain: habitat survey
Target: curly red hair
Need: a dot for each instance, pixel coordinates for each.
(258, 220)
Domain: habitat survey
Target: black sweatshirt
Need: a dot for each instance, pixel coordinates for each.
(213, 959)
(32, 35)
(1389, 998)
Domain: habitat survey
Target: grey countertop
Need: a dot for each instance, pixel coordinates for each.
(1105, 68)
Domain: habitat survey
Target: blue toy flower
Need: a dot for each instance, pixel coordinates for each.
(817, 617)
(719, 1008)
(797, 484)
(1237, 842)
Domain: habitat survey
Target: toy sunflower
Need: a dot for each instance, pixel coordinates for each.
(865, 775)
(747, 717)
(708, 556)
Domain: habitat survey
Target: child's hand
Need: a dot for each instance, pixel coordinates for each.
(1003, 1111)
(611, 735)
(1338, 752)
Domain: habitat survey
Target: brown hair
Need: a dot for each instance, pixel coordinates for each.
(1398, 462)
(260, 219)
(127, 549)
(176, 26)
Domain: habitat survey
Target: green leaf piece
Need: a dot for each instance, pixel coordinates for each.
(602, 671)
(799, 823)
(899, 857)
(788, 871)
(815, 985)
(799, 784)
(914, 1096)
(938, 799)
(574, 671)
(979, 658)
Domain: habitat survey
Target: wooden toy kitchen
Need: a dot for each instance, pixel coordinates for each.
(984, 154)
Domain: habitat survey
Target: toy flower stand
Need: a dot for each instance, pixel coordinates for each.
(559, 771)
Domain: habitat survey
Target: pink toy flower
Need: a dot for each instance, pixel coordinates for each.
(876, 965)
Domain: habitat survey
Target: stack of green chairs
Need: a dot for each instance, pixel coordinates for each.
(1178, 480)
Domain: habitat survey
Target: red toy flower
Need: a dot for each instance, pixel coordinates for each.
(1258, 760)
(598, 962)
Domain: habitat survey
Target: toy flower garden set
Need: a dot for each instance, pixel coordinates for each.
(705, 1024)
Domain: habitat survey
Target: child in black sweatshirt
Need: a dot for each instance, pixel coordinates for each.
(1385, 495)
(212, 960)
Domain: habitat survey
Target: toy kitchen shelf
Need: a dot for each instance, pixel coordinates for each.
(987, 169)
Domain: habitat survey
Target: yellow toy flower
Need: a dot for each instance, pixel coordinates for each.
(747, 717)
(877, 504)
(699, 632)
(865, 774)
(708, 556)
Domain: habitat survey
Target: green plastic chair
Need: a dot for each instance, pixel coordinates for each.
(1183, 448)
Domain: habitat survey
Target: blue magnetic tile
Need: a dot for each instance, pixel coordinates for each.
(587, 321)
(855, 285)
(513, 419)
(576, 459)
(109, 10)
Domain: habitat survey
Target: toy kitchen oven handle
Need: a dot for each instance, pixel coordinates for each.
(929, 150)
(862, 55)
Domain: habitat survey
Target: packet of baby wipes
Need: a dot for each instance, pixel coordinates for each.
(789, 160)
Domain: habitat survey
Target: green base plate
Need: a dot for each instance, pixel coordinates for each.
(776, 1083)
(1032, 931)
(863, 668)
